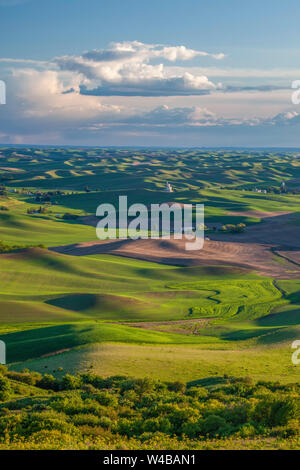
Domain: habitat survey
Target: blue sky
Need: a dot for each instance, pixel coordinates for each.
(98, 72)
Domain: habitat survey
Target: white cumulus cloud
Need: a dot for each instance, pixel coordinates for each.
(131, 68)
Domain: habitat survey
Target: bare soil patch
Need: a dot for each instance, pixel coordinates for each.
(251, 256)
(55, 353)
(258, 249)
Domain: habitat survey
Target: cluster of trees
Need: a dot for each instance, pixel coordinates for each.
(47, 196)
(7, 247)
(45, 210)
(40, 210)
(233, 228)
(120, 411)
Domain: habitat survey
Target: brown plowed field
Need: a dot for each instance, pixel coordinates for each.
(252, 256)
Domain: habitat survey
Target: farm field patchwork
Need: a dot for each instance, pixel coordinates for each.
(70, 304)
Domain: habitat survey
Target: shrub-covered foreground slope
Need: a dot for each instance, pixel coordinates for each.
(89, 412)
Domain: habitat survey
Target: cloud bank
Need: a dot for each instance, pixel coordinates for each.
(136, 93)
(137, 69)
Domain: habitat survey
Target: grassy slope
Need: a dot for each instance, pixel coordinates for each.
(111, 288)
(171, 362)
(20, 228)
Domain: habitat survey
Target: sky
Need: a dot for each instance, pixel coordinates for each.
(161, 73)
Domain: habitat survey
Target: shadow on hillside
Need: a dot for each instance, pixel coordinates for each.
(285, 318)
(279, 335)
(96, 248)
(34, 343)
(278, 230)
(208, 382)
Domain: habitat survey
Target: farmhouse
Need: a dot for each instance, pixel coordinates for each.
(169, 188)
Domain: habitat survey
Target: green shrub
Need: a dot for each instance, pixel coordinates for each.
(85, 418)
(106, 399)
(48, 382)
(282, 411)
(70, 382)
(213, 425)
(24, 377)
(5, 388)
(177, 387)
